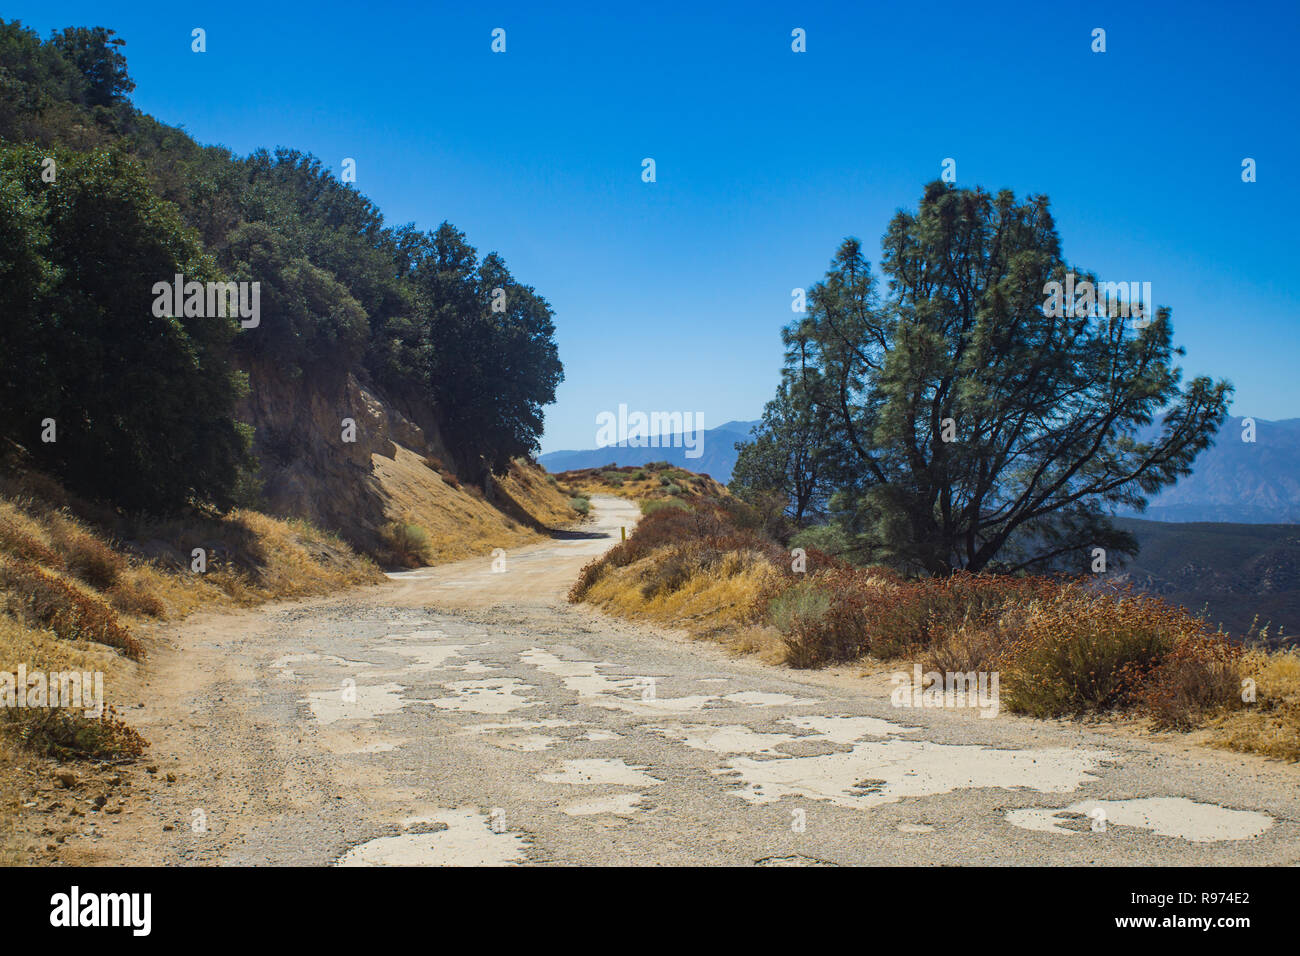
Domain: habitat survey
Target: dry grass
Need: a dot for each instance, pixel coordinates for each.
(707, 594)
(643, 483)
(75, 580)
(457, 520)
(1062, 648)
(66, 584)
(1269, 725)
(1081, 652)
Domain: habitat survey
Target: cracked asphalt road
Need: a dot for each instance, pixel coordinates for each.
(466, 715)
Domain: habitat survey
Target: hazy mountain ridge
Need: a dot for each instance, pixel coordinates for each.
(1237, 481)
(1233, 481)
(717, 458)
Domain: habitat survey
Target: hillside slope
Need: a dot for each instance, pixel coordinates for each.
(1237, 574)
(1239, 481)
(395, 469)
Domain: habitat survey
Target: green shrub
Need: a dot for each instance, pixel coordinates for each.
(408, 543)
(580, 504)
(797, 606)
(827, 538)
(651, 505)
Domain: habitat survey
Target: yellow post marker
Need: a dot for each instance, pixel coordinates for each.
(624, 530)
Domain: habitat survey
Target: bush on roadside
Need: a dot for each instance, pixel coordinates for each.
(407, 543)
(63, 733)
(651, 505)
(1085, 652)
(41, 599)
(1200, 675)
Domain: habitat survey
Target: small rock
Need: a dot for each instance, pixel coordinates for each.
(66, 778)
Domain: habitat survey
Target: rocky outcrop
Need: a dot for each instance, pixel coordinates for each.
(346, 457)
(317, 440)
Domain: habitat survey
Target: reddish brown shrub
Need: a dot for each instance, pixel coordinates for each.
(42, 600)
(1201, 673)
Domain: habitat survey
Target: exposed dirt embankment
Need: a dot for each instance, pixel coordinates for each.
(344, 456)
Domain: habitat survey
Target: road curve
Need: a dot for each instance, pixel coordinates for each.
(466, 714)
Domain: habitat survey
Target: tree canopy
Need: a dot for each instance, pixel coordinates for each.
(418, 313)
(969, 426)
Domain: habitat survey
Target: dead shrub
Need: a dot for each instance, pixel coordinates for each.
(20, 537)
(63, 733)
(1201, 674)
(86, 556)
(970, 647)
(130, 597)
(1084, 652)
(40, 599)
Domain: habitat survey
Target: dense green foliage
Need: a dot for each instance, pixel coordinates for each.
(961, 423)
(145, 406)
(142, 407)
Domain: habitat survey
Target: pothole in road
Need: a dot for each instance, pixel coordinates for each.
(870, 773)
(284, 663)
(600, 771)
(619, 805)
(526, 743)
(914, 828)
(585, 680)
(875, 773)
(755, 698)
(492, 696)
(1165, 816)
(465, 838)
(348, 703)
(731, 739)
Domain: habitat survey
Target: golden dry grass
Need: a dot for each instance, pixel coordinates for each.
(1062, 649)
(648, 487)
(68, 589)
(457, 520)
(1271, 724)
(715, 601)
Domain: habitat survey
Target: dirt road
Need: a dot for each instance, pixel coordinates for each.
(462, 714)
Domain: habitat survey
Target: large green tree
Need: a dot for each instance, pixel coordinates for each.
(979, 429)
(792, 452)
(142, 405)
(479, 345)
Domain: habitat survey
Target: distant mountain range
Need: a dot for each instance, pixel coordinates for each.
(1235, 574)
(1249, 482)
(717, 458)
(1234, 481)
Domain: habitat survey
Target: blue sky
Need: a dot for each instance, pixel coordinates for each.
(670, 296)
